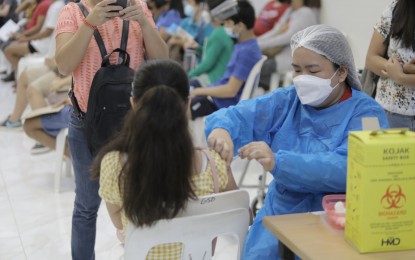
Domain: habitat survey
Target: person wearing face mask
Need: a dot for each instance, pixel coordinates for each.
(227, 90)
(196, 27)
(298, 133)
(216, 54)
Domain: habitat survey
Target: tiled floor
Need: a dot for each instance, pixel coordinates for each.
(35, 222)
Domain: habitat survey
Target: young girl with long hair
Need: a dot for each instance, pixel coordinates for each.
(150, 170)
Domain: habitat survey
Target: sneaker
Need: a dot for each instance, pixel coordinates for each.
(8, 124)
(10, 77)
(39, 148)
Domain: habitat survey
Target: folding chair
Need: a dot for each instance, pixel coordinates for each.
(61, 158)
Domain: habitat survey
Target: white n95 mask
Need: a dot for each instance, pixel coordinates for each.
(189, 11)
(312, 90)
(230, 33)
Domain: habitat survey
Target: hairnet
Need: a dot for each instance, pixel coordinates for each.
(331, 43)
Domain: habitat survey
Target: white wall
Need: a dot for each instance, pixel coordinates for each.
(355, 18)
(258, 5)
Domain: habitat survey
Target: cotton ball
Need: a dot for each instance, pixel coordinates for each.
(339, 207)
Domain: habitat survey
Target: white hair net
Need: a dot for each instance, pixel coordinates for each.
(331, 43)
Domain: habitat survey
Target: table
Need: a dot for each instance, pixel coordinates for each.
(308, 237)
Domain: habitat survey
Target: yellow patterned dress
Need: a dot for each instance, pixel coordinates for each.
(109, 191)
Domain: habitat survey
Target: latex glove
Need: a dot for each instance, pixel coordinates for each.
(220, 141)
(259, 151)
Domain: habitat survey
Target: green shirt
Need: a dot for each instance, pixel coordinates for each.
(218, 51)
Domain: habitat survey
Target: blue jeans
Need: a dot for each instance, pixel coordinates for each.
(87, 200)
(401, 121)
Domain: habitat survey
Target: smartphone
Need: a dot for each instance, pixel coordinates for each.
(122, 3)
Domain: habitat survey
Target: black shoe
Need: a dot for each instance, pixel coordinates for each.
(10, 77)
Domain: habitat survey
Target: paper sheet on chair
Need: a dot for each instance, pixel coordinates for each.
(7, 29)
(42, 111)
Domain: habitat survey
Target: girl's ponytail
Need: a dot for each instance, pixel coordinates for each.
(157, 174)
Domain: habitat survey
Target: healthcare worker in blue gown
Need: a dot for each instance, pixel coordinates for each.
(298, 133)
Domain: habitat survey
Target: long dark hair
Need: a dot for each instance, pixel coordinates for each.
(174, 5)
(246, 14)
(403, 23)
(312, 3)
(177, 5)
(156, 178)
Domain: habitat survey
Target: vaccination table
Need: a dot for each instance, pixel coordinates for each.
(307, 236)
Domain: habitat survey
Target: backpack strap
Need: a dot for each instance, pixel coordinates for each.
(124, 40)
(97, 36)
(213, 168)
(103, 51)
(75, 105)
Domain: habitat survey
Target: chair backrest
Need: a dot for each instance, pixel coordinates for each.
(194, 232)
(253, 80)
(217, 202)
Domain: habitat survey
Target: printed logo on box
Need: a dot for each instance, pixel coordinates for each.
(394, 198)
(392, 201)
(390, 241)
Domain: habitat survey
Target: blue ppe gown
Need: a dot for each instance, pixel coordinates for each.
(310, 148)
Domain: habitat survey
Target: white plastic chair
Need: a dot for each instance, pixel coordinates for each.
(252, 81)
(217, 202)
(285, 77)
(60, 158)
(194, 232)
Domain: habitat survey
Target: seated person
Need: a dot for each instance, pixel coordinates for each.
(27, 22)
(39, 42)
(195, 28)
(33, 86)
(216, 55)
(129, 168)
(270, 15)
(246, 53)
(26, 9)
(7, 11)
(275, 43)
(165, 13)
(44, 129)
(298, 133)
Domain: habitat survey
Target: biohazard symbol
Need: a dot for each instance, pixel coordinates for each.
(394, 198)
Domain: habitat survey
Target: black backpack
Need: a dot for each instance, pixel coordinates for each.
(109, 97)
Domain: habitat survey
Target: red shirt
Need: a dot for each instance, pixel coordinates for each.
(346, 95)
(41, 9)
(269, 16)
